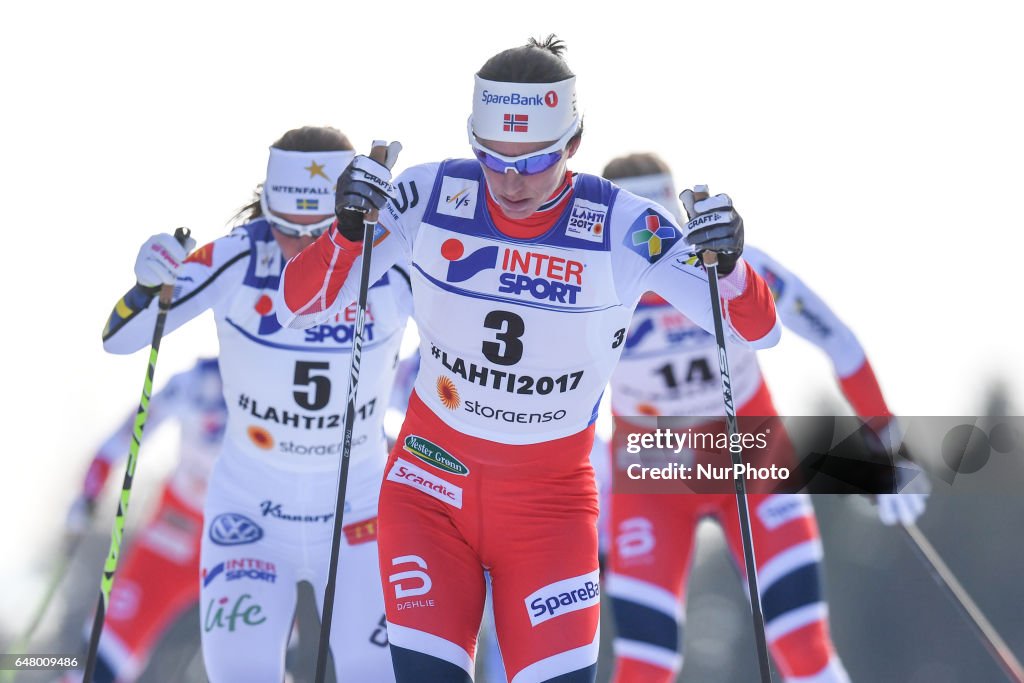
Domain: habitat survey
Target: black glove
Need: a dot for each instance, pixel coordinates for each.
(714, 226)
(364, 185)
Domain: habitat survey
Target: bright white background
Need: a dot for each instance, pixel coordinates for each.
(875, 148)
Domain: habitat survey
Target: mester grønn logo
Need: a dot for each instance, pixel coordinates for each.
(434, 455)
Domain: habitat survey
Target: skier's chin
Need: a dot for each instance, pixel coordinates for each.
(518, 209)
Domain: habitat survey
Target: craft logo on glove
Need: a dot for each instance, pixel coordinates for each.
(368, 177)
(713, 218)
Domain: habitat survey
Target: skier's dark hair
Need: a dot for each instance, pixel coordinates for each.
(634, 165)
(305, 139)
(539, 61)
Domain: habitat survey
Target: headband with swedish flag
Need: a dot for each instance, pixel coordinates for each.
(303, 182)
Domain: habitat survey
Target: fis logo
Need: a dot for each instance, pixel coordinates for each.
(562, 597)
(651, 236)
(458, 197)
(522, 272)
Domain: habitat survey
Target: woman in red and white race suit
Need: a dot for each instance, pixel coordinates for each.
(525, 276)
(670, 368)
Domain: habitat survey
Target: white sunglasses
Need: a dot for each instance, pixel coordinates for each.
(290, 229)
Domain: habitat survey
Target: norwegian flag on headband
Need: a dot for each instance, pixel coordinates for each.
(516, 123)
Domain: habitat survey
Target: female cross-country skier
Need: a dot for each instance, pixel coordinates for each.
(669, 367)
(270, 506)
(525, 276)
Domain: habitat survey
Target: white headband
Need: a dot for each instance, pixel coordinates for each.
(657, 187)
(523, 112)
(303, 182)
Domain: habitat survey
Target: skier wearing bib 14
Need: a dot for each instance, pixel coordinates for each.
(525, 276)
(268, 516)
(667, 369)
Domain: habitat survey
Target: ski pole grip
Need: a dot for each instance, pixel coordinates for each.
(167, 291)
(379, 153)
(709, 258)
(182, 234)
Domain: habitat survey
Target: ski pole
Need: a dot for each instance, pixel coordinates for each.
(984, 629)
(117, 533)
(710, 259)
(379, 153)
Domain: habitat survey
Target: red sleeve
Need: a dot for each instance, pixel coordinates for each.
(311, 281)
(863, 392)
(752, 313)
